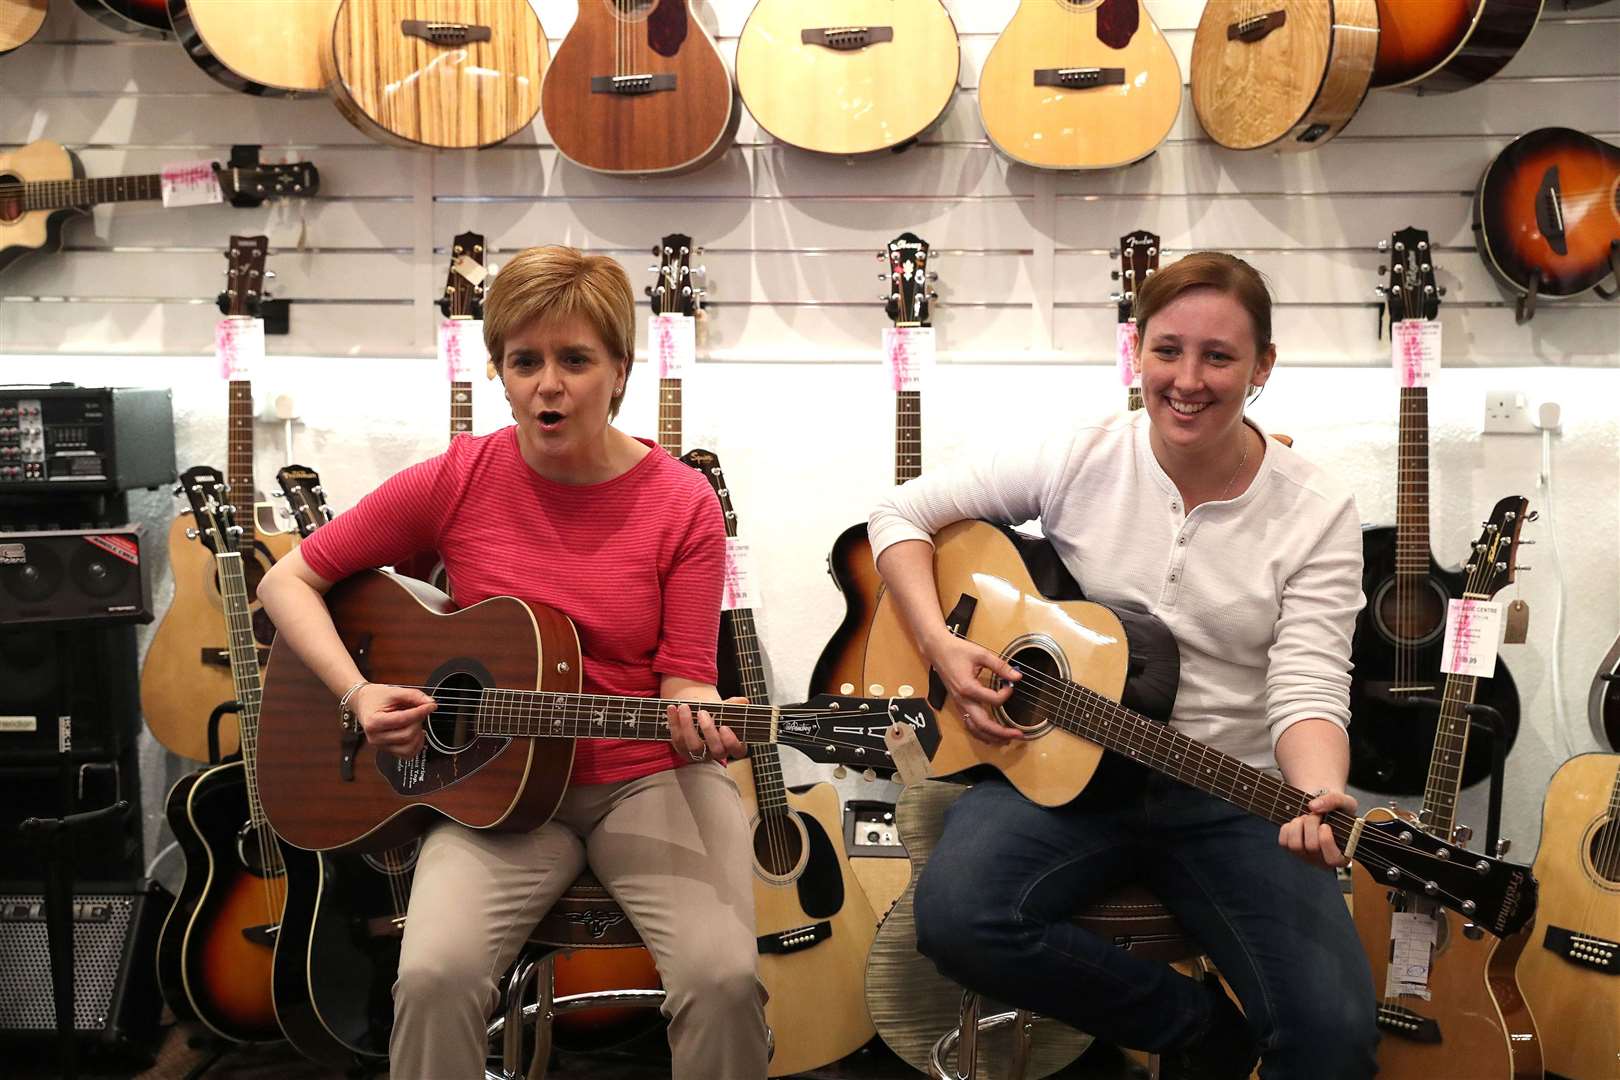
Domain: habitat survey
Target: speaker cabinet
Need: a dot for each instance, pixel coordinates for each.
(73, 576)
(115, 997)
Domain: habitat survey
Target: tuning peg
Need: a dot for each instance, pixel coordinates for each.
(882, 276)
(1503, 846)
(933, 295)
(1382, 269)
(883, 255)
(1522, 569)
(282, 495)
(1462, 834)
(1380, 292)
(1383, 245)
(932, 276)
(191, 534)
(1441, 291)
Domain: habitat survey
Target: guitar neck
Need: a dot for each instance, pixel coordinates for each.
(1412, 484)
(460, 408)
(1446, 759)
(61, 194)
(244, 670)
(517, 713)
(907, 435)
(669, 415)
(770, 793)
(1133, 399)
(239, 455)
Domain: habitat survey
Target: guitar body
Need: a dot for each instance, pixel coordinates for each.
(178, 688)
(1098, 127)
(910, 1002)
(1290, 78)
(143, 18)
(871, 92)
(584, 971)
(399, 629)
(1603, 702)
(1390, 737)
(1578, 864)
(802, 880)
(267, 47)
(172, 936)
(227, 953)
(1449, 44)
(685, 120)
(1566, 249)
(838, 669)
(23, 232)
(456, 94)
(20, 20)
(1484, 1025)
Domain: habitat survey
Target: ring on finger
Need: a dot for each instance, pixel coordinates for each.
(702, 755)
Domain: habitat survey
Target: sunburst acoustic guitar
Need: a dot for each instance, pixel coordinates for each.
(1449, 44)
(1286, 74)
(1079, 85)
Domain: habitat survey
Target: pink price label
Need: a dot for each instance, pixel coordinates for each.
(1125, 353)
(736, 588)
(1462, 639)
(238, 345)
(900, 363)
(666, 348)
(1415, 351)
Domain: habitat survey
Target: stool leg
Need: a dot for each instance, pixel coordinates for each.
(517, 988)
(967, 1045)
(544, 992)
(1023, 1032)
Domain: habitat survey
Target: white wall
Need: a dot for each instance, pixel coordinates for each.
(789, 391)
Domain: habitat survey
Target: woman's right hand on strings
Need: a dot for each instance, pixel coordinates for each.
(959, 664)
(392, 717)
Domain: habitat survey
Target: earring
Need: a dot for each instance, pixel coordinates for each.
(617, 390)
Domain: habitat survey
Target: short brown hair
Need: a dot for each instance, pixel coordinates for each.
(556, 282)
(1208, 269)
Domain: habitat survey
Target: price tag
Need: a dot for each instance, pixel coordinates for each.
(1473, 628)
(1125, 354)
(1414, 350)
(239, 346)
(461, 348)
(673, 341)
(470, 269)
(739, 583)
(909, 353)
(190, 183)
(1412, 945)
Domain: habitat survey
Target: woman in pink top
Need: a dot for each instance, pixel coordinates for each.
(565, 510)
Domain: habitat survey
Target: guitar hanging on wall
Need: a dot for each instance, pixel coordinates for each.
(907, 301)
(674, 292)
(143, 18)
(1138, 255)
(20, 20)
(1399, 633)
(260, 47)
(1449, 44)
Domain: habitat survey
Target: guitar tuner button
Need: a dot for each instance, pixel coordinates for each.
(1430, 889)
(562, 667)
(1383, 245)
(1469, 907)
(1393, 874)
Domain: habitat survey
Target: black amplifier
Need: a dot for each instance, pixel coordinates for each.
(74, 576)
(62, 439)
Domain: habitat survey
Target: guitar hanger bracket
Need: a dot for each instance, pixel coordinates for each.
(1526, 309)
(245, 156)
(1614, 270)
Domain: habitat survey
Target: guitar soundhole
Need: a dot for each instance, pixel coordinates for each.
(1603, 849)
(451, 727)
(1035, 700)
(1411, 616)
(780, 848)
(10, 205)
(395, 862)
(256, 849)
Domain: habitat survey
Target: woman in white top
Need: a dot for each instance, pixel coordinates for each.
(1252, 557)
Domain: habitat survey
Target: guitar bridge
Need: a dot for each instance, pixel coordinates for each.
(1255, 27)
(1583, 950)
(1405, 1024)
(1079, 78)
(792, 941)
(633, 85)
(846, 38)
(443, 33)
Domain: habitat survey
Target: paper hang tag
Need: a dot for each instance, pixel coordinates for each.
(910, 761)
(470, 269)
(909, 354)
(239, 346)
(461, 348)
(189, 183)
(1414, 351)
(1125, 354)
(1473, 628)
(1517, 626)
(673, 342)
(1411, 948)
(739, 581)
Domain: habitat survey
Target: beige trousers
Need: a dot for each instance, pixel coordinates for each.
(673, 850)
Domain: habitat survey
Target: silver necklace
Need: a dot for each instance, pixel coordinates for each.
(1242, 461)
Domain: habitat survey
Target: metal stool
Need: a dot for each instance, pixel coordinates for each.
(584, 917)
(1130, 918)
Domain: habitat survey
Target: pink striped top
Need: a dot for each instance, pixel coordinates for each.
(637, 562)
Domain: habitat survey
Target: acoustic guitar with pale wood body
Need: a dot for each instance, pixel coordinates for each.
(639, 87)
(1079, 84)
(441, 74)
(1465, 1016)
(1284, 74)
(20, 20)
(263, 47)
(1570, 970)
(879, 73)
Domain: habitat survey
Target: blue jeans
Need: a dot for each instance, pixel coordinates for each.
(994, 902)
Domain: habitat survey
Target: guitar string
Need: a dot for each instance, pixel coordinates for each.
(1607, 861)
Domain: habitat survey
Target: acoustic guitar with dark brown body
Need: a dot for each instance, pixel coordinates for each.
(1449, 44)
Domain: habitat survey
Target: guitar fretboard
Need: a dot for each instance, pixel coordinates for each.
(460, 408)
(592, 716)
(1446, 758)
(239, 456)
(907, 435)
(669, 416)
(60, 194)
(244, 671)
(1412, 484)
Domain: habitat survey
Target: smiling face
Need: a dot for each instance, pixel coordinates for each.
(561, 379)
(1199, 360)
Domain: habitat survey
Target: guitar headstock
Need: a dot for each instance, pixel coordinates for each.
(849, 731)
(1138, 255)
(1493, 893)
(1494, 563)
(296, 178)
(909, 279)
(206, 492)
(244, 277)
(306, 498)
(1409, 290)
(707, 462)
(674, 291)
(464, 285)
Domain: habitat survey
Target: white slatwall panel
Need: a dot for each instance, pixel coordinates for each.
(789, 235)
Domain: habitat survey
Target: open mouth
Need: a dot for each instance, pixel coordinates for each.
(550, 419)
(1186, 408)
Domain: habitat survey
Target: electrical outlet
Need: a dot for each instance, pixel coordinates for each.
(1507, 413)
